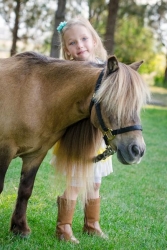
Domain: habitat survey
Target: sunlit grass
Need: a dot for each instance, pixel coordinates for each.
(133, 201)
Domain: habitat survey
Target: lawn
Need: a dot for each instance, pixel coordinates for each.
(133, 201)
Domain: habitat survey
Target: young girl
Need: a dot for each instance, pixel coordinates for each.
(80, 42)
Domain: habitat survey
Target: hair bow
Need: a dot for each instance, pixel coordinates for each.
(61, 26)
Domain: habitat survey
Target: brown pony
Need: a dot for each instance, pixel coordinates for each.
(43, 100)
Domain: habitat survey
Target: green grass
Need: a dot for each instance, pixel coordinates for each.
(133, 201)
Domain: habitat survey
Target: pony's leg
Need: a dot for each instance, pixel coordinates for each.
(29, 170)
(6, 155)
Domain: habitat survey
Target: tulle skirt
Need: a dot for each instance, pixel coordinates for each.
(101, 168)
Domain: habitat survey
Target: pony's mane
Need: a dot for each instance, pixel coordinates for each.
(123, 94)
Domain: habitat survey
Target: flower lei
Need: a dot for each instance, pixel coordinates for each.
(61, 26)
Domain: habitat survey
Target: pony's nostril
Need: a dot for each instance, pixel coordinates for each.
(135, 150)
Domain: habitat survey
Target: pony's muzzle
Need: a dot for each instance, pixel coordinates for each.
(132, 155)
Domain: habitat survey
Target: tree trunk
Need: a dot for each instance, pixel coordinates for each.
(15, 29)
(111, 23)
(59, 17)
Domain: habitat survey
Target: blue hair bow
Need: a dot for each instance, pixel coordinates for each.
(61, 26)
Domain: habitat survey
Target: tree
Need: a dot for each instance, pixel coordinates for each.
(25, 20)
(59, 17)
(134, 42)
(157, 19)
(97, 11)
(15, 28)
(103, 18)
(111, 24)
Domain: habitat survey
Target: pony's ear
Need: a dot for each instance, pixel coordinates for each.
(112, 64)
(136, 65)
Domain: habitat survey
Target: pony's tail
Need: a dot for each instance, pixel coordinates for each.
(74, 155)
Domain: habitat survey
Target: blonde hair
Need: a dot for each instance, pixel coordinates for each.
(100, 51)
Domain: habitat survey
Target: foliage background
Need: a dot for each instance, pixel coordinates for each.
(138, 30)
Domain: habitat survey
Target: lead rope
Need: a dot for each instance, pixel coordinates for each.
(108, 152)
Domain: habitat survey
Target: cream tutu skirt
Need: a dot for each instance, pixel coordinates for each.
(101, 168)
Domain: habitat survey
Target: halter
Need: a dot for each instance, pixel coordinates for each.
(108, 134)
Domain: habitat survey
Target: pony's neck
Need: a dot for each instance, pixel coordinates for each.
(76, 94)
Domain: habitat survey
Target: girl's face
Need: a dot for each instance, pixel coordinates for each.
(79, 43)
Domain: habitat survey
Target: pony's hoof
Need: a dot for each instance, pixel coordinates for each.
(21, 233)
(24, 236)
